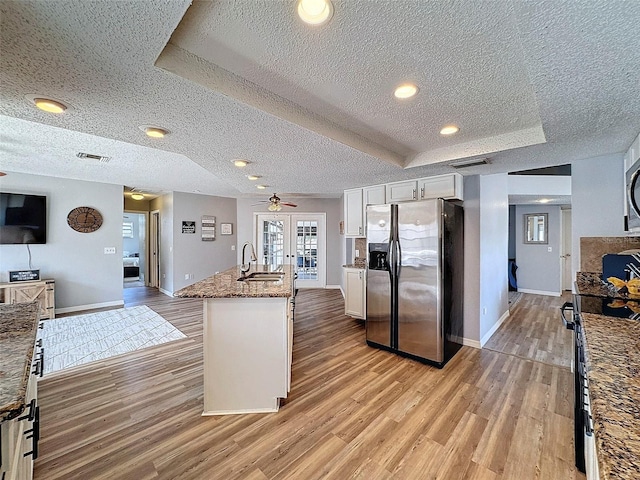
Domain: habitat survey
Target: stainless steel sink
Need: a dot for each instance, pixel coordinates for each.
(262, 277)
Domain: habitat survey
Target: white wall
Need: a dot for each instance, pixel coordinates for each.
(539, 271)
(472, 259)
(494, 235)
(335, 242)
(486, 204)
(539, 185)
(84, 275)
(192, 256)
(597, 200)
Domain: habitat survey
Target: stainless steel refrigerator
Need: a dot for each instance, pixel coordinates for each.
(415, 279)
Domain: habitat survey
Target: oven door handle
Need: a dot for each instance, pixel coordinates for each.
(567, 306)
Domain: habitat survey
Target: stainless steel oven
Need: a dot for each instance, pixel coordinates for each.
(633, 197)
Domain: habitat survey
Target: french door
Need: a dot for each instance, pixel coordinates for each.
(295, 238)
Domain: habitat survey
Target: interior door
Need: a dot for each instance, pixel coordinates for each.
(565, 255)
(154, 249)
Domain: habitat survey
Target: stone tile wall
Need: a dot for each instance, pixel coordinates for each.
(593, 248)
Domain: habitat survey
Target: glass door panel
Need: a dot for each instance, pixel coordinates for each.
(307, 249)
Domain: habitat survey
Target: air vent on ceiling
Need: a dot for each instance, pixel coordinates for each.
(91, 156)
(472, 162)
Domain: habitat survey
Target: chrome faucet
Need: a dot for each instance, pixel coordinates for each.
(253, 258)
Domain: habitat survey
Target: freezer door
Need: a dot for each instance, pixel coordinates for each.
(419, 303)
(378, 322)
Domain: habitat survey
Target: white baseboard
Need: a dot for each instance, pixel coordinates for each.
(166, 292)
(539, 292)
(493, 329)
(333, 287)
(471, 343)
(91, 306)
(342, 292)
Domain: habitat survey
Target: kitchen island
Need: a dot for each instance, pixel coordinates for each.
(19, 419)
(248, 338)
(612, 357)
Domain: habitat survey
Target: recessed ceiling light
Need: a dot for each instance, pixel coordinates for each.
(261, 187)
(449, 130)
(544, 200)
(240, 163)
(137, 196)
(406, 90)
(253, 177)
(315, 12)
(155, 132)
(48, 105)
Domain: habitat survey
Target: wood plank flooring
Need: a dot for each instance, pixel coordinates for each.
(353, 412)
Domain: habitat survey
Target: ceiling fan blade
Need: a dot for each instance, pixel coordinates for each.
(287, 204)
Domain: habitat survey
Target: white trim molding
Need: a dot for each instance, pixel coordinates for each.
(471, 343)
(90, 306)
(166, 292)
(539, 292)
(496, 326)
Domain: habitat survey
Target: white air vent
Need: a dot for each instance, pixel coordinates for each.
(471, 162)
(91, 156)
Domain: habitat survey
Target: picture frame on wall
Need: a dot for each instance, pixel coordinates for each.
(226, 229)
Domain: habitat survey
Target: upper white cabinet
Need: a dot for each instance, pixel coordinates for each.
(401, 191)
(353, 219)
(447, 186)
(374, 195)
(443, 186)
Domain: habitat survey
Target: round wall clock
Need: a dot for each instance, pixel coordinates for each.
(84, 219)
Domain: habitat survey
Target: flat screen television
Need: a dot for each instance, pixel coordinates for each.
(23, 218)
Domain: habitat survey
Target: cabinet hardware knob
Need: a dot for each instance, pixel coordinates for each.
(413, 193)
(422, 192)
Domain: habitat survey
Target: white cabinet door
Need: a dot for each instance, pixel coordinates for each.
(374, 195)
(355, 294)
(442, 186)
(353, 213)
(401, 191)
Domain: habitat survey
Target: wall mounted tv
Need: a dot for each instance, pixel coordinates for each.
(23, 218)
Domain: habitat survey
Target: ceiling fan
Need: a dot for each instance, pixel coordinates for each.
(275, 204)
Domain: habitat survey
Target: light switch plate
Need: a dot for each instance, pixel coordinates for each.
(549, 249)
(109, 250)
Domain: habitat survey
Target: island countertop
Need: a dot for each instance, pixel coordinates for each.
(226, 285)
(18, 328)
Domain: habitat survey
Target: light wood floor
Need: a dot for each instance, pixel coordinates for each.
(353, 412)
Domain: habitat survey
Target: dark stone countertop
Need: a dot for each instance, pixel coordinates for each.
(613, 363)
(590, 284)
(18, 328)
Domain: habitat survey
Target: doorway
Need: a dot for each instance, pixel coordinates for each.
(298, 239)
(565, 253)
(154, 249)
(134, 248)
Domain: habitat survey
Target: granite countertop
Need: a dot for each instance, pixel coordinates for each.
(226, 285)
(18, 328)
(613, 362)
(590, 284)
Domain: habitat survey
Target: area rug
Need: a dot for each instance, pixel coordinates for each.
(72, 341)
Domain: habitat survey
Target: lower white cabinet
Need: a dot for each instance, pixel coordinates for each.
(355, 293)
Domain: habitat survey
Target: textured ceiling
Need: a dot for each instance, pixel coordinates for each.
(530, 83)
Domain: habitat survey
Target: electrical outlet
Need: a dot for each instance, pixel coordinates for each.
(164, 275)
(357, 253)
(109, 250)
(484, 310)
(549, 249)
(233, 248)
